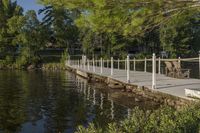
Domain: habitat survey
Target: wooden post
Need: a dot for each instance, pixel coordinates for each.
(128, 69)
(107, 63)
(93, 63)
(111, 66)
(154, 71)
(134, 63)
(101, 61)
(159, 65)
(118, 63)
(145, 64)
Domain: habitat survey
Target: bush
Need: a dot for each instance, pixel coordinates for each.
(163, 120)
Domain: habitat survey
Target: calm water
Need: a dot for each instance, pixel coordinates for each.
(56, 102)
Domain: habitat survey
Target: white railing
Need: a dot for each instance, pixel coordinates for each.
(85, 64)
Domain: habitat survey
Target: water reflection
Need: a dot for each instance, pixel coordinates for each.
(49, 102)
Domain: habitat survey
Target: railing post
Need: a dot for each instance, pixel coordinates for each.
(128, 69)
(145, 64)
(125, 65)
(154, 71)
(78, 63)
(93, 63)
(199, 64)
(84, 62)
(118, 63)
(101, 65)
(159, 65)
(179, 61)
(88, 64)
(107, 63)
(111, 66)
(134, 63)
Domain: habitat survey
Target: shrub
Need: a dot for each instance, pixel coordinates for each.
(162, 120)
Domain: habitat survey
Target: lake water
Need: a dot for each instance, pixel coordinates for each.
(56, 102)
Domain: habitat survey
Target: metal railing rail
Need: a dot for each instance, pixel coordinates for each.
(86, 63)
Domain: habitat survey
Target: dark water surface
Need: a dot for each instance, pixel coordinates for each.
(54, 102)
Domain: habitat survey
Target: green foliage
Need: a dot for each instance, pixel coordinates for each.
(91, 129)
(100, 28)
(11, 19)
(165, 120)
(61, 24)
(150, 26)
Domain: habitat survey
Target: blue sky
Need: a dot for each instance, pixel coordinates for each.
(30, 5)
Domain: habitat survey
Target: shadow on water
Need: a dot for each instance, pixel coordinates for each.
(53, 102)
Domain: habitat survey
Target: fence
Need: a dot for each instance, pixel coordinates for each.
(127, 65)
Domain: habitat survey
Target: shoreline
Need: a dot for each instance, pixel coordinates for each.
(153, 95)
(144, 92)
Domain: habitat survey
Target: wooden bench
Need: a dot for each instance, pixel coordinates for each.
(169, 70)
(179, 72)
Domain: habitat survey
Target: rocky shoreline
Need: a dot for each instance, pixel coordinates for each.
(148, 94)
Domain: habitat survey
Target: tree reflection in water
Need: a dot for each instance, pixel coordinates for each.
(49, 102)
